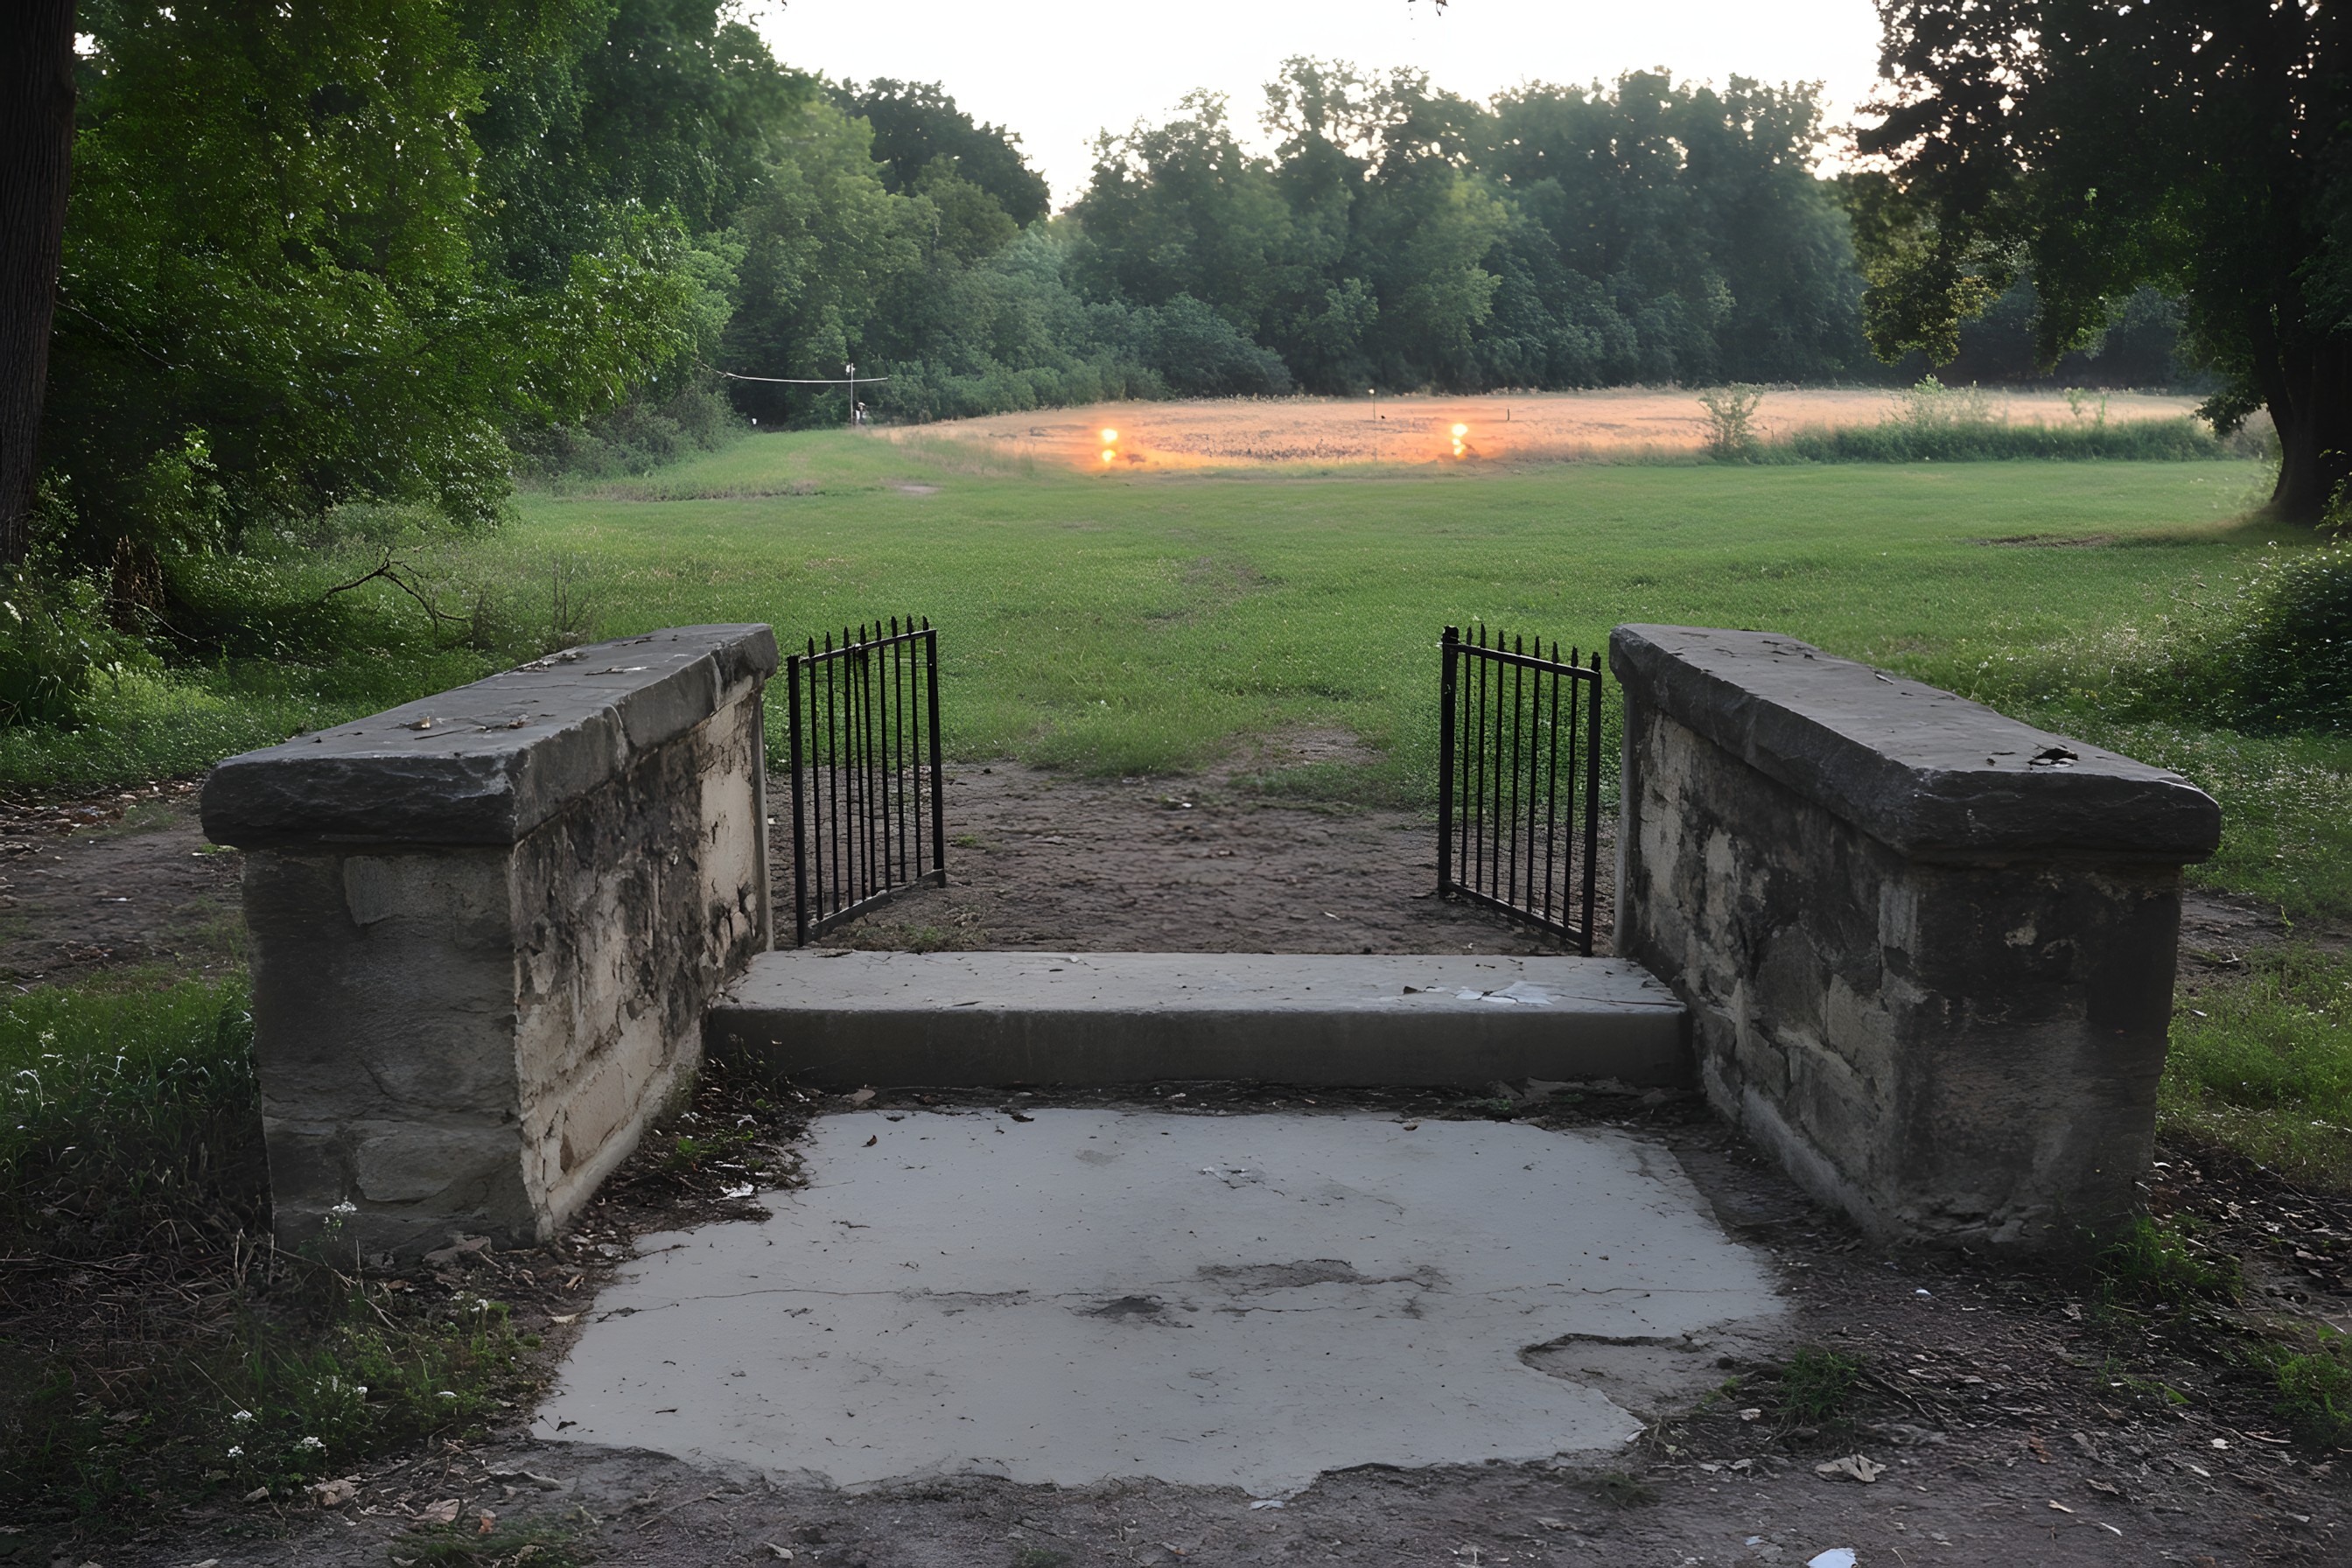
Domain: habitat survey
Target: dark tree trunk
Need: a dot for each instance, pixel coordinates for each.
(37, 115)
(2314, 416)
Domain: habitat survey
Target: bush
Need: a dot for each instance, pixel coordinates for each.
(54, 640)
(2288, 663)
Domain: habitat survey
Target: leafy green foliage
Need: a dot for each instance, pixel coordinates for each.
(2195, 148)
(2287, 662)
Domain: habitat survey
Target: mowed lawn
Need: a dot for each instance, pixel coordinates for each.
(1120, 624)
(1141, 623)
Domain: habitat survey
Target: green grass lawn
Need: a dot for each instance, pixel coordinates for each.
(1133, 624)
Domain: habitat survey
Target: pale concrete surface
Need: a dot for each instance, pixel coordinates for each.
(826, 1017)
(1095, 1294)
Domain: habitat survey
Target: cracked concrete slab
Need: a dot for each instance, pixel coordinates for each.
(1080, 1295)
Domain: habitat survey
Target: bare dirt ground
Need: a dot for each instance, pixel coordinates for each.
(2017, 1421)
(1227, 431)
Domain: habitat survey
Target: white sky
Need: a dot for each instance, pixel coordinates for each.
(1057, 72)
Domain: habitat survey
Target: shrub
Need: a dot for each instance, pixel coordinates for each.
(1731, 420)
(53, 640)
(2288, 663)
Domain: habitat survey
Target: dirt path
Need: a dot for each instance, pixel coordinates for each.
(1039, 860)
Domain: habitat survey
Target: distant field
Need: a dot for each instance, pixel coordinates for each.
(1504, 425)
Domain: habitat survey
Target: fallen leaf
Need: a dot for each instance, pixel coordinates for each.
(1018, 1117)
(565, 1318)
(871, 1141)
(2040, 1449)
(489, 1520)
(2060, 1507)
(2106, 1487)
(442, 1512)
(1853, 1466)
(780, 1553)
(1753, 1414)
(258, 1494)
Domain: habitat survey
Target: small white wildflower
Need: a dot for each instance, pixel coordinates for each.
(345, 1208)
(360, 1389)
(483, 1302)
(242, 1416)
(235, 1453)
(309, 1442)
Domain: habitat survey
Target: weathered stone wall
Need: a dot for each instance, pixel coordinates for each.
(486, 927)
(1929, 971)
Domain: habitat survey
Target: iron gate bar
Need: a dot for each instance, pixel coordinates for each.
(858, 711)
(1498, 794)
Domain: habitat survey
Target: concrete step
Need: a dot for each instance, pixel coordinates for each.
(828, 1018)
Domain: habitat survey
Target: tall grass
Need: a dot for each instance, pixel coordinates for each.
(156, 1345)
(1936, 424)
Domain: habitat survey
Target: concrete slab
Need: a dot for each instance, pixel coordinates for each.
(1086, 1295)
(826, 1018)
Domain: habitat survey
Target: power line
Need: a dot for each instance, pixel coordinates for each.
(806, 381)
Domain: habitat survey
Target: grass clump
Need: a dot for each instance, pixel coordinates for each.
(1818, 1385)
(2151, 1264)
(568, 1543)
(2262, 1065)
(2311, 1381)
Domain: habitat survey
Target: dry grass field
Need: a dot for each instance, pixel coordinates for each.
(1623, 422)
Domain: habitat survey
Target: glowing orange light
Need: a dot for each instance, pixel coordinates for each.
(1460, 431)
(1109, 437)
(1109, 455)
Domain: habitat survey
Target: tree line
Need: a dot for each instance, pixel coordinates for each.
(386, 250)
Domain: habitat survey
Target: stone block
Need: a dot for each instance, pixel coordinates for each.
(486, 926)
(1928, 950)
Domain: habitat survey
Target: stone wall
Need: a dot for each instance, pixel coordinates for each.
(1928, 951)
(486, 926)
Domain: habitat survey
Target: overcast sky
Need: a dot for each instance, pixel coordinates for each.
(1057, 72)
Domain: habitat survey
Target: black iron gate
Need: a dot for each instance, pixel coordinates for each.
(1512, 726)
(868, 810)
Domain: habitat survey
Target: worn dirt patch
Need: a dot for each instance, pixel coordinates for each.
(1205, 864)
(101, 881)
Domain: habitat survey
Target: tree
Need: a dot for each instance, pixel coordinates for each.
(37, 115)
(917, 128)
(2198, 146)
(271, 298)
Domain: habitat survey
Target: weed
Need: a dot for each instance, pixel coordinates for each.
(539, 1544)
(1817, 1385)
(2312, 1385)
(1731, 420)
(1620, 1489)
(2151, 1264)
